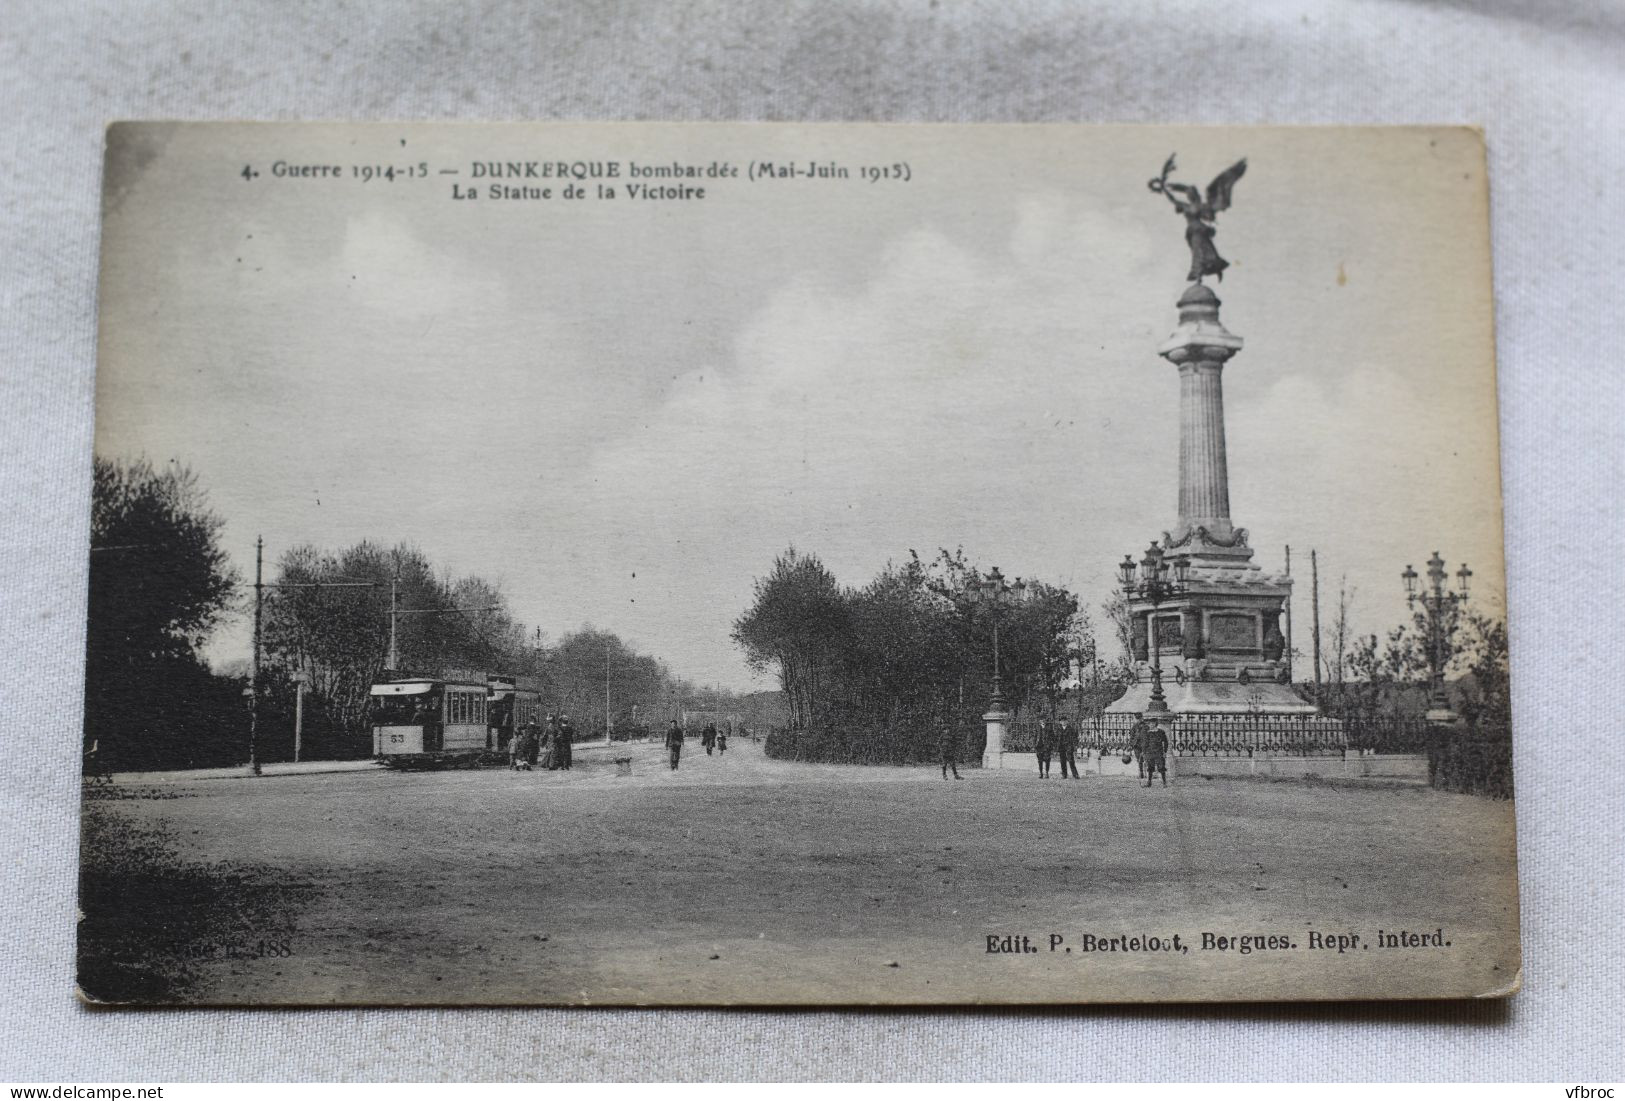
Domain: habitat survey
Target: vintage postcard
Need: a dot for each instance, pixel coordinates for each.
(652, 564)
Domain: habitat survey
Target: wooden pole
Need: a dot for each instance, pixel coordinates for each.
(394, 614)
(254, 668)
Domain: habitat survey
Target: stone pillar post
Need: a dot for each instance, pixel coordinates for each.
(1200, 346)
(993, 752)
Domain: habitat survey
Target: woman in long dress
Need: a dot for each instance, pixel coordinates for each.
(550, 740)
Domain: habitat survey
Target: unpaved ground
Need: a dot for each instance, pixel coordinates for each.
(742, 879)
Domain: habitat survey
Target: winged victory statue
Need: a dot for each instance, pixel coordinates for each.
(1199, 211)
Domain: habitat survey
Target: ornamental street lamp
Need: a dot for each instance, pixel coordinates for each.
(1156, 581)
(1436, 602)
(996, 592)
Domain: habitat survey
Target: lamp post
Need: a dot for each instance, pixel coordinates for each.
(300, 680)
(1436, 601)
(1155, 582)
(995, 592)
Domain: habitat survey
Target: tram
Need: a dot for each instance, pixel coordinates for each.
(424, 722)
(463, 718)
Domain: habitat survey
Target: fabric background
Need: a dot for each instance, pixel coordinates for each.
(1546, 80)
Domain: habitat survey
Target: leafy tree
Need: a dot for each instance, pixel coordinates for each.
(159, 584)
(795, 626)
(1484, 695)
(641, 688)
(886, 665)
(159, 581)
(339, 636)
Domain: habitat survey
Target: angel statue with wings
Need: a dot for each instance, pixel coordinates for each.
(1199, 213)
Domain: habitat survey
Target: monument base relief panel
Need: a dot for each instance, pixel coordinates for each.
(787, 564)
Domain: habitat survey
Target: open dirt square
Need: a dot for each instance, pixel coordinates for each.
(740, 879)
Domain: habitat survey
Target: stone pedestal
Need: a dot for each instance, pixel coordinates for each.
(997, 723)
(1219, 641)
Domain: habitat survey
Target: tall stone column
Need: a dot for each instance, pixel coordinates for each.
(1200, 346)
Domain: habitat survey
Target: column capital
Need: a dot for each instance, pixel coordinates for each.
(1200, 336)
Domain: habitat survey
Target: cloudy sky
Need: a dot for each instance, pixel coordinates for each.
(620, 411)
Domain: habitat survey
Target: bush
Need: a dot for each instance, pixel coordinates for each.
(1472, 760)
(899, 744)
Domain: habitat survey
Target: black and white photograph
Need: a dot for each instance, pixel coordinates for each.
(795, 565)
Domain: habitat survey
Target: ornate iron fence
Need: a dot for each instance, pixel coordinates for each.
(1249, 735)
(1387, 734)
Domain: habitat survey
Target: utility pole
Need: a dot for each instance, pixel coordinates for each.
(1314, 588)
(1289, 662)
(260, 585)
(606, 690)
(254, 669)
(394, 614)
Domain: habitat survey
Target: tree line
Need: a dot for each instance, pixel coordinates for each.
(161, 584)
(890, 662)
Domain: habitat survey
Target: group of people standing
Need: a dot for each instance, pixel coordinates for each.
(551, 746)
(1057, 739)
(713, 739)
(1148, 746)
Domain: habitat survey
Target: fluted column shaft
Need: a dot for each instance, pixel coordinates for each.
(1200, 347)
(1204, 479)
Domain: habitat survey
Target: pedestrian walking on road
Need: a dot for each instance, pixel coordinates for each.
(1156, 754)
(722, 740)
(1068, 745)
(674, 743)
(1136, 745)
(708, 737)
(948, 749)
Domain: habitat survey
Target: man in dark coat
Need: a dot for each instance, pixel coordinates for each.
(566, 747)
(948, 749)
(1068, 746)
(1136, 745)
(674, 743)
(1045, 745)
(1156, 754)
(708, 737)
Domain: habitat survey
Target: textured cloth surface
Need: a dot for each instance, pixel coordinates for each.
(1547, 81)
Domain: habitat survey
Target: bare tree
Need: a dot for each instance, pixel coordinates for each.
(1342, 634)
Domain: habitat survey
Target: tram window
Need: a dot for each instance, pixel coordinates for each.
(465, 708)
(405, 710)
